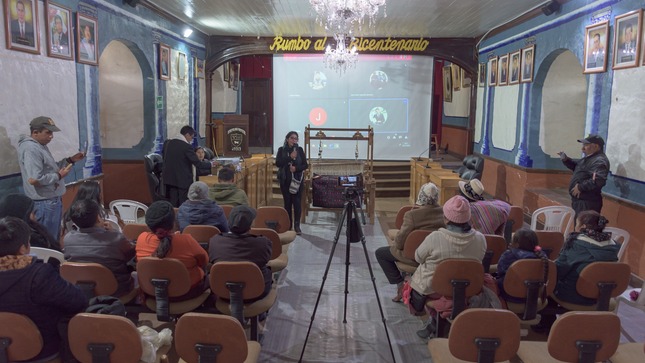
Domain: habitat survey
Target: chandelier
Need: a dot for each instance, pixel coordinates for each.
(340, 58)
(340, 16)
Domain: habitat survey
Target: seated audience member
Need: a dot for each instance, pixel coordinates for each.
(201, 155)
(163, 242)
(524, 245)
(226, 192)
(488, 216)
(238, 245)
(198, 209)
(588, 244)
(457, 240)
(22, 207)
(94, 243)
(429, 216)
(91, 190)
(35, 289)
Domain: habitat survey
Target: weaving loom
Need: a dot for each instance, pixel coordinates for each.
(322, 192)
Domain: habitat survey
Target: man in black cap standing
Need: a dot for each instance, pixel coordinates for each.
(42, 176)
(589, 175)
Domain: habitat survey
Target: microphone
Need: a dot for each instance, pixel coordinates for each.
(419, 157)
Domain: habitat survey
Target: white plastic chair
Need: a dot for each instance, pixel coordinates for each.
(618, 234)
(555, 218)
(128, 210)
(45, 254)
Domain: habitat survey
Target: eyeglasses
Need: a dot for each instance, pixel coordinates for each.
(293, 138)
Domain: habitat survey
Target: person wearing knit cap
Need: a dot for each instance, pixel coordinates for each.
(163, 242)
(487, 216)
(200, 210)
(456, 240)
(238, 245)
(21, 206)
(427, 215)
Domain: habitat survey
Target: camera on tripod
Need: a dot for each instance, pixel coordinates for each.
(352, 184)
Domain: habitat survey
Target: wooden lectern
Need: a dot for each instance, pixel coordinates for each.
(230, 136)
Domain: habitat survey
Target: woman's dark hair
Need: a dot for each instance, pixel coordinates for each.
(465, 227)
(160, 218)
(84, 213)
(592, 220)
(525, 239)
(88, 190)
(14, 233)
(286, 138)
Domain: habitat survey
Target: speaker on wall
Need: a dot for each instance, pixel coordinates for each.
(550, 7)
(132, 3)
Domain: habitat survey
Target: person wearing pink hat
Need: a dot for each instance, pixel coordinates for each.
(457, 240)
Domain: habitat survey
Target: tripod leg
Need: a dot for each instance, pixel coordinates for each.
(378, 299)
(348, 231)
(322, 285)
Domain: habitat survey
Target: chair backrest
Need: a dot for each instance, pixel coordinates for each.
(276, 244)
(497, 245)
(170, 269)
(554, 218)
(458, 279)
(133, 230)
(208, 153)
(525, 280)
(413, 241)
(154, 165)
(45, 254)
(514, 222)
(602, 281)
(201, 233)
(576, 330)
(551, 243)
(398, 222)
(227, 208)
(210, 331)
(473, 167)
(474, 329)
(128, 210)
(93, 278)
(236, 281)
(92, 336)
(272, 217)
(621, 236)
(20, 338)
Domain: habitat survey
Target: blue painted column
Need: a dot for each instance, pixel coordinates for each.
(161, 113)
(598, 80)
(487, 116)
(522, 158)
(89, 113)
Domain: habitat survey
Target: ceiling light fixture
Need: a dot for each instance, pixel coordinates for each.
(341, 16)
(187, 33)
(340, 58)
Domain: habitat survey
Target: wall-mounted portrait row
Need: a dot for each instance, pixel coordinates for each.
(508, 69)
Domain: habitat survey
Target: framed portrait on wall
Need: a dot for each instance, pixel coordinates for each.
(456, 77)
(503, 70)
(447, 84)
(465, 79)
(199, 67)
(492, 71)
(514, 68)
(87, 40)
(234, 75)
(60, 43)
(481, 75)
(627, 39)
(21, 25)
(164, 62)
(181, 66)
(527, 58)
(595, 56)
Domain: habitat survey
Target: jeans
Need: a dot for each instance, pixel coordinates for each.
(292, 201)
(49, 213)
(388, 264)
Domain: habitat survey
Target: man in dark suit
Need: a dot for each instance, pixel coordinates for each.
(22, 31)
(179, 162)
(59, 40)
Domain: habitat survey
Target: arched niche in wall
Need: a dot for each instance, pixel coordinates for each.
(126, 93)
(563, 104)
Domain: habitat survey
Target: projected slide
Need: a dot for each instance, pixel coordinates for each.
(390, 93)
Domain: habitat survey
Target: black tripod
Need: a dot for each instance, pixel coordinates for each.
(353, 229)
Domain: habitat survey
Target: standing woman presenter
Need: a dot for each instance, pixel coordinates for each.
(291, 163)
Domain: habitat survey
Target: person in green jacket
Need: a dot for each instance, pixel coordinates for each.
(226, 192)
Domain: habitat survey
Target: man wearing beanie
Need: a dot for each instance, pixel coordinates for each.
(427, 216)
(198, 209)
(487, 216)
(457, 240)
(238, 245)
(42, 176)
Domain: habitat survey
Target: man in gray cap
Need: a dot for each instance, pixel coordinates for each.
(42, 176)
(589, 175)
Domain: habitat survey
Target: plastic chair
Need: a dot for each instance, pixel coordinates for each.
(277, 219)
(128, 210)
(45, 254)
(555, 218)
(412, 242)
(583, 337)
(479, 335)
(620, 236)
(213, 338)
(133, 230)
(20, 339)
(104, 338)
(235, 282)
(94, 279)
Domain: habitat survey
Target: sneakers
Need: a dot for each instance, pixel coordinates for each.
(428, 330)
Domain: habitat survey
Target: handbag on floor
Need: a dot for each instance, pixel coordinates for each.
(295, 184)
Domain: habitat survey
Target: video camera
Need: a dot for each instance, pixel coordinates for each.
(348, 181)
